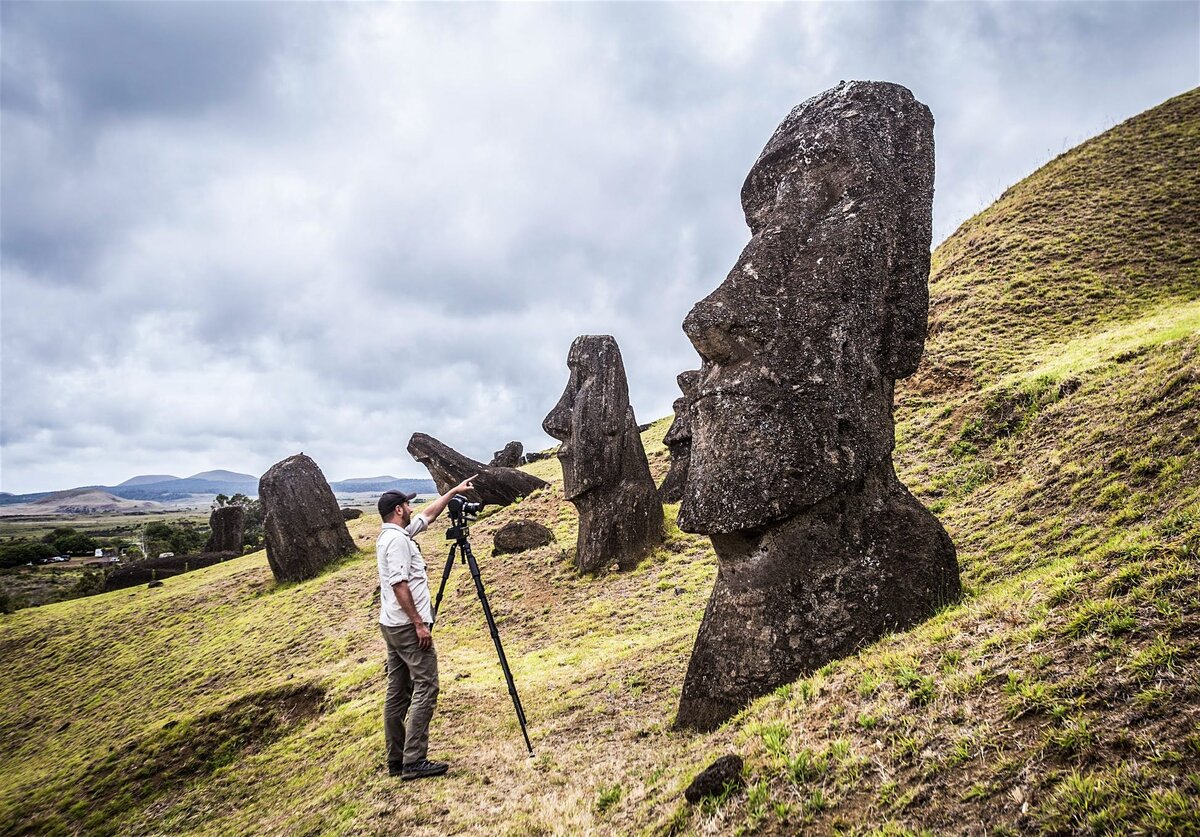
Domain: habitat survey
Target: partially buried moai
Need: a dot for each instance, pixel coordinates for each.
(302, 524)
(678, 439)
(605, 472)
(228, 527)
(820, 547)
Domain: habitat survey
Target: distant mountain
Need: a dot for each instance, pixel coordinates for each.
(222, 476)
(145, 478)
(384, 483)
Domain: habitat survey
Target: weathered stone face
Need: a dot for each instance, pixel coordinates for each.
(302, 523)
(605, 472)
(448, 467)
(678, 439)
(825, 307)
(508, 457)
(820, 547)
(228, 525)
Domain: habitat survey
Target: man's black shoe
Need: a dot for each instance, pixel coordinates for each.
(395, 769)
(423, 769)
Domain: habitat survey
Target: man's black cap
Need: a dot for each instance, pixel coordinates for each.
(390, 499)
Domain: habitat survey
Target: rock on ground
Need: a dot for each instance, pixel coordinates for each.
(521, 535)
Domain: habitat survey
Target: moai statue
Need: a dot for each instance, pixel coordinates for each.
(494, 486)
(302, 523)
(508, 456)
(679, 439)
(228, 525)
(820, 547)
(605, 472)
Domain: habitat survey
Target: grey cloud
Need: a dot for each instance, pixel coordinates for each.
(245, 215)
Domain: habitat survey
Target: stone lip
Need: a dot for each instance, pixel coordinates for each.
(448, 467)
(521, 536)
(820, 548)
(605, 472)
(303, 526)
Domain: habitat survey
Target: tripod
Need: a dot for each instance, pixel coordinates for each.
(458, 533)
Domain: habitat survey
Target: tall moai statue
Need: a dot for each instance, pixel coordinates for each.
(605, 472)
(820, 547)
(302, 523)
(678, 439)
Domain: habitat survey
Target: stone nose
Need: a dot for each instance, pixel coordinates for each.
(711, 328)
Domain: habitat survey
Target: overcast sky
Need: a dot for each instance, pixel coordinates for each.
(231, 232)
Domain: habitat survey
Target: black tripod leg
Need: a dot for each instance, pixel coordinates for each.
(491, 620)
(445, 577)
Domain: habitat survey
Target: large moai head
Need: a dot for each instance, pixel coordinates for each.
(605, 472)
(825, 308)
(494, 485)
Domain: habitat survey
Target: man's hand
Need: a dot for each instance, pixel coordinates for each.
(435, 508)
(424, 637)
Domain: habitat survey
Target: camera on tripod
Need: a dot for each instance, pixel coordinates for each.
(462, 511)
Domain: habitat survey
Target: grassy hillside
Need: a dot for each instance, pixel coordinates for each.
(1053, 427)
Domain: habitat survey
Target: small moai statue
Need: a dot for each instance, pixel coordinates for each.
(679, 439)
(605, 472)
(228, 525)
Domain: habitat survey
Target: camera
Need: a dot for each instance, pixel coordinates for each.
(462, 509)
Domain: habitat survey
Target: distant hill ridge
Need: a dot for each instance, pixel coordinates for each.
(165, 488)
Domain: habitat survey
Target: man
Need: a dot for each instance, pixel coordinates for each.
(406, 618)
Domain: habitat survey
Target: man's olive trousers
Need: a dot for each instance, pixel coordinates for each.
(412, 692)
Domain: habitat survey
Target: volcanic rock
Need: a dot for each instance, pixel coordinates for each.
(727, 770)
(679, 439)
(302, 523)
(448, 467)
(605, 472)
(228, 525)
(351, 514)
(820, 547)
(521, 535)
(508, 457)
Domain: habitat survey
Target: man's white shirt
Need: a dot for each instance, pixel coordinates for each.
(399, 559)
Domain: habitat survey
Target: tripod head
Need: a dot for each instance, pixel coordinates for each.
(462, 511)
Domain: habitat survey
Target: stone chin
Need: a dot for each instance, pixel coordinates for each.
(574, 486)
(758, 462)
